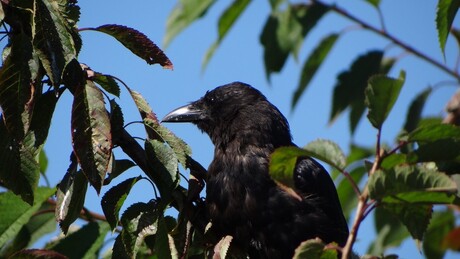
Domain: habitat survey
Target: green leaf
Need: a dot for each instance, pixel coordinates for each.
(165, 165)
(349, 90)
(164, 244)
(328, 152)
(434, 132)
(375, 3)
(226, 21)
(108, 83)
(445, 15)
(390, 232)
(314, 248)
(137, 43)
(415, 218)
(393, 160)
(15, 213)
(440, 225)
(284, 31)
(116, 121)
(456, 34)
(119, 167)
(312, 64)
(414, 113)
(381, 94)
(90, 239)
(183, 14)
(52, 39)
(347, 196)
(442, 150)
(91, 133)
(114, 198)
(70, 197)
(410, 184)
(139, 221)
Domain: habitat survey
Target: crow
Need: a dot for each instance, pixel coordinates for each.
(242, 200)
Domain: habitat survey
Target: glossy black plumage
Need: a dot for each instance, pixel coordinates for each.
(242, 199)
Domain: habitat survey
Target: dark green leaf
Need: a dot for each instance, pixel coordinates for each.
(108, 83)
(456, 34)
(164, 244)
(359, 153)
(381, 94)
(314, 248)
(116, 121)
(347, 196)
(415, 110)
(139, 221)
(327, 151)
(393, 160)
(441, 223)
(114, 198)
(410, 184)
(83, 243)
(312, 64)
(445, 15)
(70, 197)
(434, 132)
(183, 14)
(284, 31)
(414, 216)
(15, 213)
(375, 3)
(442, 150)
(349, 90)
(390, 232)
(137, 43)
(119, 167)
(91, 133)
(226, 21)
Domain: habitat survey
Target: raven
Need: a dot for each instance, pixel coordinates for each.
(243, 201)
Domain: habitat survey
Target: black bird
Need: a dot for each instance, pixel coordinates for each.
(242, 199)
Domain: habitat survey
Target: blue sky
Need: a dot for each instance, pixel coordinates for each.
(240, 58)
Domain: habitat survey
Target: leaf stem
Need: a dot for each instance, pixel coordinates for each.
(385, 34)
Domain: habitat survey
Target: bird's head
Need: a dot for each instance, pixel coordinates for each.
(234, 110)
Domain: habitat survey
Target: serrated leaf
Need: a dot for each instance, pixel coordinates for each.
(164, 244)
(350, 86)
(51, 39)
(226, 21)
(284, 31)
(328, 152)
(108, 83)
(312, 64)
(139, 221)
(381, 95)
(70, 197)
(184, 14)
(114, 198)
(409, 184)
(164, 163)
(441, 223)
(415, 110)
(314, 248)
(445, 15)
(91, 133)
(393, 160)
(415, 218)
(90, 239)
(434, 132)
(221, 248)
(15, 213)
(137, 43)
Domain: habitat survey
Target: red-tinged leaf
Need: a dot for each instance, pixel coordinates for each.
(381, 94)
(312, 64)
(16, 89)
(221, 248)
(139, 221)
(70, 197)
(137, 43)
(452, 239)
(113, 200)
(83, 243)
(38, 254)
(108, 83)
(15, 213)
(440, 225)
(91, 133)
(445, 15)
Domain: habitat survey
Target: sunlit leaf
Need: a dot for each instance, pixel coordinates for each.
(226, 21)
(184, 14)
(381, 95)
(70, 197)
(114, 198)
(91, 133)
(83, 243)
(221, 248)
(434, 132)
(375, 3)
(312, 64)
(441, 223)
(410, 184)
(137, 43)
(314, 248)
(15, 213)
(445, 15)
(327, 151)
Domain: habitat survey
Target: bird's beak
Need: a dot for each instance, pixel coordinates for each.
(186, 113)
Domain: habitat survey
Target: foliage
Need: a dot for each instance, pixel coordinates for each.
(400, 183)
